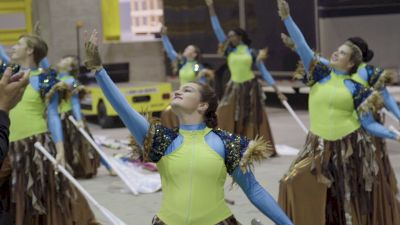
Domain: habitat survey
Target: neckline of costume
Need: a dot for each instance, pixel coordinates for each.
(193, 127)
(339, 72)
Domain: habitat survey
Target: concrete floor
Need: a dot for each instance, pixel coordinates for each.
(139, 210)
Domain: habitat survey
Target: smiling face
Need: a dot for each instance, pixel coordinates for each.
(341, 58)
(20, 51)
(187, 99)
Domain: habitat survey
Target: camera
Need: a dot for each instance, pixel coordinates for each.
(3, 66)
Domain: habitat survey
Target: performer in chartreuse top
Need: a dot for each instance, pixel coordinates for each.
(36, 193)
(332, 179)
(80, 155)
(188, 68)
(242, 108)
(193, 160)
(385, 189)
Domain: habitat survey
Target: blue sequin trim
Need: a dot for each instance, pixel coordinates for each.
(235, 146)
(360, 94)
(374, 73)
(46, 81)
(157, 141)
(319, 72)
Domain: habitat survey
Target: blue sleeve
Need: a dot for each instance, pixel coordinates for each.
(302, 48)
(218, 29)
(374, 128)
(168, 47)
(324, 61)
(76, 107)
(53, 118)
(265, 73)
(45, 64)
(260, 197)
(390, 103)
(136, 123)
(363, 73)
(3, 55)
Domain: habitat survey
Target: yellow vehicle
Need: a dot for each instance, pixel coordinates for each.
(147, 97)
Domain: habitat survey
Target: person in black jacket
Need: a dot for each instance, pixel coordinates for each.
(11, 90)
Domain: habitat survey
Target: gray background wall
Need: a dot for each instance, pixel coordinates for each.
(58, 19)
(382, 32)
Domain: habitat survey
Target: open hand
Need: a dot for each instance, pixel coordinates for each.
(92, 55)
(288, 41)
(209, 2)
(163, 30)
(12, 88)
(283, 9)
(262, 54)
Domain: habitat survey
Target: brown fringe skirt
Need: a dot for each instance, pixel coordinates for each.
(242, 111)
(79, 153)
(228, 221)
(33, 193)
(386, 206)
(333, 182)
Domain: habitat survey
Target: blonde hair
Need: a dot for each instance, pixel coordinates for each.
(356, 55)
(73, 65)
(39, 46)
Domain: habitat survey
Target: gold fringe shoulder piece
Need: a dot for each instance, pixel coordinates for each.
(257, 150)
(385, 78)
(148, 141)
(80, 90)
(373, 102)
(300, 71)
(59, 87)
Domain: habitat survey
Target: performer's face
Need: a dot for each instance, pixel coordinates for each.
(190, 52)
(233, 38)
(187, 99)
(340, 59)
(65, 64)
(20, 50)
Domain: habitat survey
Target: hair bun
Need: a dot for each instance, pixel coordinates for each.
(367, 53)
(368, 56)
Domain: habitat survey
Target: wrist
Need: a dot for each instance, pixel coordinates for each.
(60, 147)
(97, 69)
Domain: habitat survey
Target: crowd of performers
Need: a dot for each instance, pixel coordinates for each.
(342, 176)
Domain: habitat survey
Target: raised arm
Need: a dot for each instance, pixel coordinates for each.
(219, 32)
(169, 48)
(266, 74)
(259, 197)
(301, 46)
(365, 102)
(136, 123)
